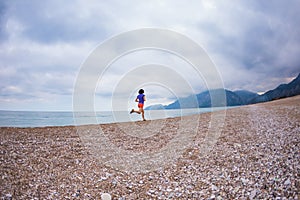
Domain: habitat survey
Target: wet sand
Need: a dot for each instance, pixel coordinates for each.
(255, 156)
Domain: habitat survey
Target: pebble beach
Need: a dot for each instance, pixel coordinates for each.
(255, 156)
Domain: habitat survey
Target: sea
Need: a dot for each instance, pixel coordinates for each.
(61, 118)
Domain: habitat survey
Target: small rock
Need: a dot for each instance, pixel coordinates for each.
(8, 196)
(105, 196)
(114, 182)
(244, 181)
(237, 145)
(171, 195)
(151, 191)
(252, 194)
(287, 182)
(214, 188)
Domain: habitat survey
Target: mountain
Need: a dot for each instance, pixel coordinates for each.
(186, 102)
(155, 107)
(246, 96)
(232, 99)
(282, 91)
(236, 98)
(203, 100)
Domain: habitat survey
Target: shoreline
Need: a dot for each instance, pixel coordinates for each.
(103, 123)
(186, 112)
(255, 156)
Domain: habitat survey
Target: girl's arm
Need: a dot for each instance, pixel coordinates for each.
(144, 97)
(136, 100)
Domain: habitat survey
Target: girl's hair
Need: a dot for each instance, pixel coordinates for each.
(141, 91)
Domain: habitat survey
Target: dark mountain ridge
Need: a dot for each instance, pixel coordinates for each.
(233, 98)
(282, 91)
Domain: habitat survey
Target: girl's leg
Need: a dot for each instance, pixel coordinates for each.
(141, 110)
(135, 111)
(143, 113)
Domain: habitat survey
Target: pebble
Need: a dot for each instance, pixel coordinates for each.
(8, 196)
(252, 194)
(105, 196)
(287, 182)
(214, 188)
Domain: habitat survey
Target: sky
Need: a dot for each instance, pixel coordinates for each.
(254, 45)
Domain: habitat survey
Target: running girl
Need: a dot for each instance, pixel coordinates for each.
(141, 98)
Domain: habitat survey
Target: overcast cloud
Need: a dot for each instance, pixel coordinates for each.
(255, 45)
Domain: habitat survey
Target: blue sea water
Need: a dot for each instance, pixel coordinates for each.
(42, 119)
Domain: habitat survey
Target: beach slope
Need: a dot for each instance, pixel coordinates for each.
(255, 156)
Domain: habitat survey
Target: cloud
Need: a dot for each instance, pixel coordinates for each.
(254, 41)
(255, 45)
(54, 21)
(41, 68)
(3, 18)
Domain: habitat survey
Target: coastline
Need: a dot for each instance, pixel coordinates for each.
(256, 156)
(35, 119)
